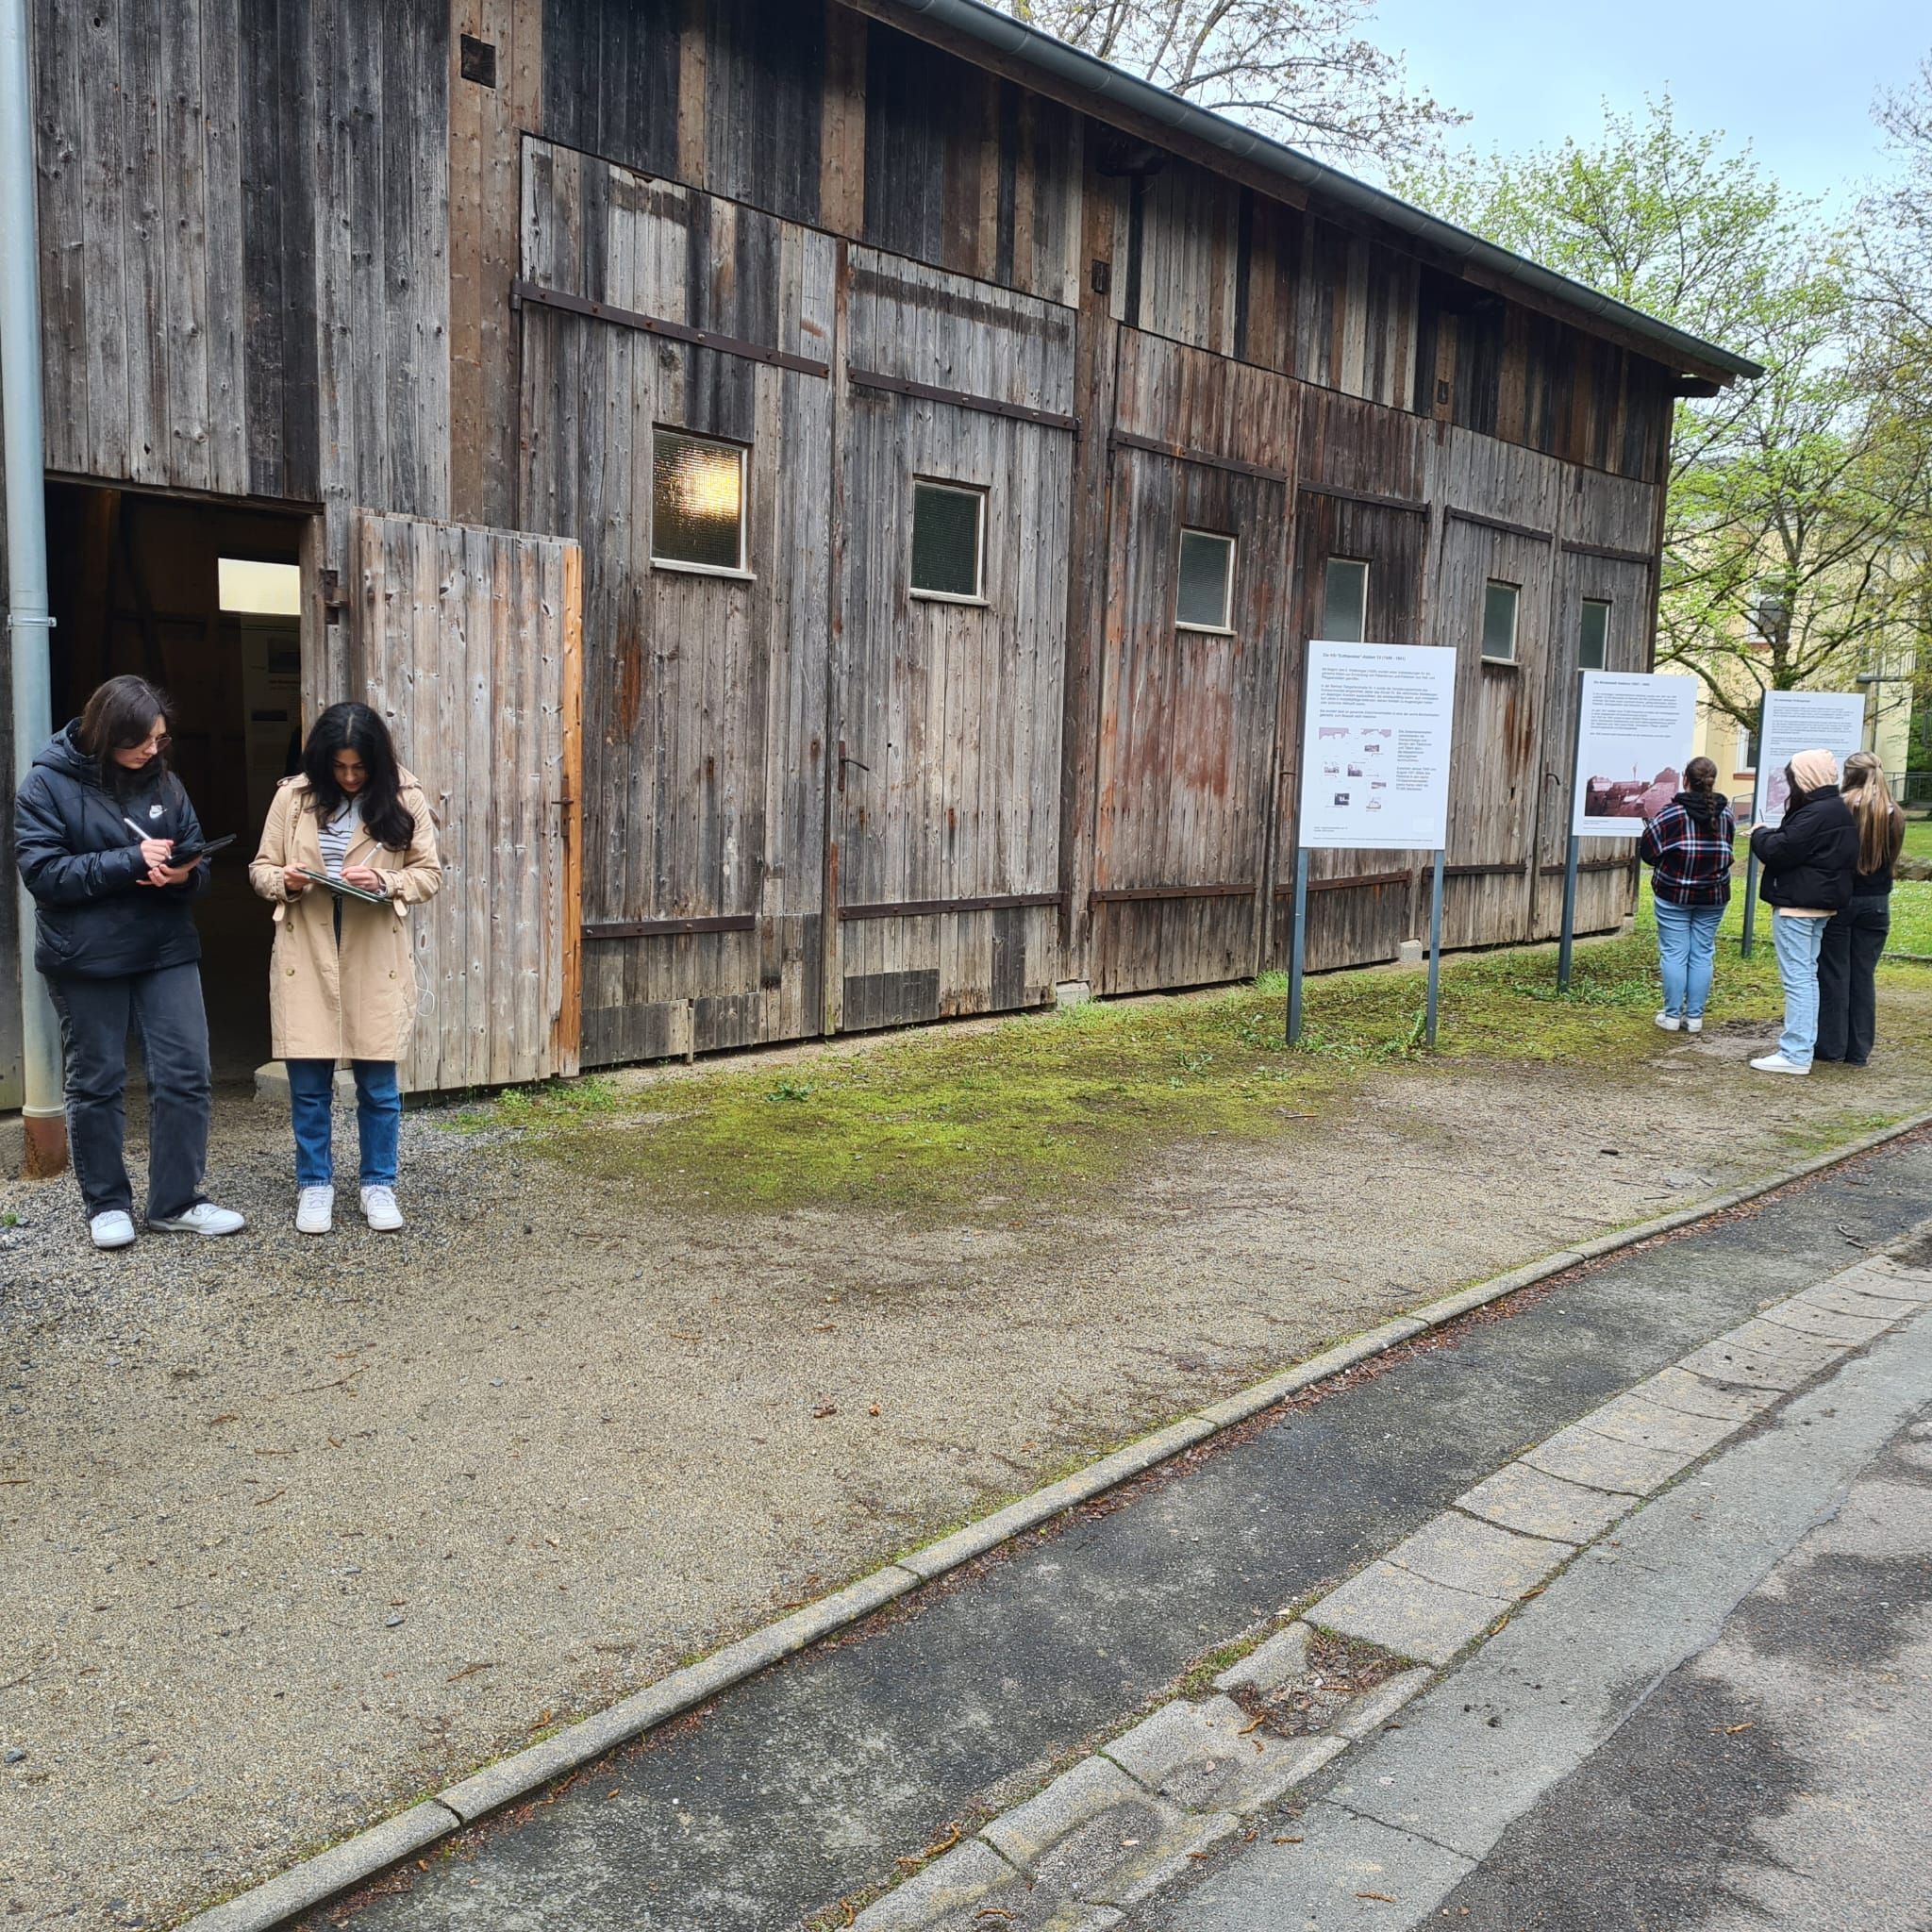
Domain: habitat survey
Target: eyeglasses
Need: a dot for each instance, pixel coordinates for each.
(160, 742)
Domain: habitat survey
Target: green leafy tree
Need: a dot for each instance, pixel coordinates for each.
(1790, 551)
(1302, 71)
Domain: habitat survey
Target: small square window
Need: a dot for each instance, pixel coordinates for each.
(1593, 634)
(697, 503)
(1206, 594)
(1344, 602)
(1499, 621)
(948, 541)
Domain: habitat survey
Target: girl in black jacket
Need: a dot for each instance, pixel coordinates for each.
(1855, 935)
(96, 825)
(1808, 862)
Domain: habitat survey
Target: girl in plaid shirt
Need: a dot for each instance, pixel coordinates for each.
(1688, 848)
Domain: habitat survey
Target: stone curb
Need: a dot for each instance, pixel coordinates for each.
(369, 1854)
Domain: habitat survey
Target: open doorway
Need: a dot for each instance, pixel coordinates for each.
(203, 599)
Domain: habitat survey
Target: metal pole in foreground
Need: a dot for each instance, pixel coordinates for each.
(1297, 951)
(1435, 943)
(1568, 941)
(1750, 906)
(27, 618)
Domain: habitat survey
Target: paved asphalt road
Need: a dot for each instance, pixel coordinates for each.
(805, 1783)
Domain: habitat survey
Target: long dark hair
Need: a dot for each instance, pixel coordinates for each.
(1700, 774)
(357, 728)
(119, 716)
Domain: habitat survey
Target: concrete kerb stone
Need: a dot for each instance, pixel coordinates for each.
(1056, 1499)
(321, 1878)
(1526, 1499)
(513, 1777)
(1631, 1418)
(1212, 1756)
(1469, 1554)
(1372, 1710)
(1283, 1655)
(1401, 1612)
(952, 1891)
(372, 1852)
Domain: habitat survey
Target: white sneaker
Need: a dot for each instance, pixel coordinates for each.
(315, 1211)
(380, 1211)
(1693, 1026)
(202, 1218)
(1669, 1021)
(113, 1229)
(1776, 1064)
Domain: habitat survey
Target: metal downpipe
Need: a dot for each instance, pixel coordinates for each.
(27, 617)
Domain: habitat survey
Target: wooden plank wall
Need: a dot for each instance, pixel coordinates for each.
(705, 695)
(14, 956)
(947, 716)
(465, 642)
(1187, 747)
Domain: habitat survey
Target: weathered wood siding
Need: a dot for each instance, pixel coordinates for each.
(15, 944)
(466, 641)
(280, 243)
(1187, 744)
(947, 724)
(704, 804)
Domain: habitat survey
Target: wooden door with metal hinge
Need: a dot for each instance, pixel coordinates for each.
(469, 643)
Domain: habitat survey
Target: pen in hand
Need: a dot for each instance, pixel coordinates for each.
(155, 852)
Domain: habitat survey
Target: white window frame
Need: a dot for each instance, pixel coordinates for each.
(978, 492)
(1364, 564)
(1226, 627)
(1483, 650)
(740, 572)
(1602, 604)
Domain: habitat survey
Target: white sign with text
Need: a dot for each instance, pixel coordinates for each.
(1375, 735)
(1638, 732)
(1795, 721)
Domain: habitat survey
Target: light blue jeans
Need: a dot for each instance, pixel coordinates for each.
(1686, 952)
(1797, 943)
(378, 1120)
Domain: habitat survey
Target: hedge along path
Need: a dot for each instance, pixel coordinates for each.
(369, 1854)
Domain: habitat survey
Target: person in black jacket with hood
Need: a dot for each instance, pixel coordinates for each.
(1809, 862)
(96, 825)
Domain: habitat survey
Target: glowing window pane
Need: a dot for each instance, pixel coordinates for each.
(259, 590)
(697, 502)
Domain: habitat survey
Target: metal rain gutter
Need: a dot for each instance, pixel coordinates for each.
(1015, 40)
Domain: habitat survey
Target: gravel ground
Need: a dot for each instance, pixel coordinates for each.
(297, 1528)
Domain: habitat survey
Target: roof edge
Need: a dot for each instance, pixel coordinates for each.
(1014, 40)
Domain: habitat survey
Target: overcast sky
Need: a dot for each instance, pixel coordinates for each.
(1796, 81)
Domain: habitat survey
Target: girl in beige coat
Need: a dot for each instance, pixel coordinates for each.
(341, 979)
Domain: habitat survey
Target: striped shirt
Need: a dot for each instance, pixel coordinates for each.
(337, 834)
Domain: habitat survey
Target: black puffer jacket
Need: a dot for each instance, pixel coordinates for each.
(80, 861)
(1810, 859)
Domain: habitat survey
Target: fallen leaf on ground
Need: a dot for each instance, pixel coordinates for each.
(1732, 1730)
(1380, 1897)
(1288, 1840)
(818, 1415)
(468, 1670)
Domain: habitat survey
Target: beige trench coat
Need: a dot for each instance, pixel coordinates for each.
(358, 1002)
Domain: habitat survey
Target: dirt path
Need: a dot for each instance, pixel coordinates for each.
(295, 1528)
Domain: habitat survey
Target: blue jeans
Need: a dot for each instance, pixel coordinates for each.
(1687, 950)
(1797, 943)
(378, 1120)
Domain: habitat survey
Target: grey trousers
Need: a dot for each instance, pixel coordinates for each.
(166, 1011)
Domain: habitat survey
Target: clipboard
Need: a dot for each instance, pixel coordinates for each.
(343, 890)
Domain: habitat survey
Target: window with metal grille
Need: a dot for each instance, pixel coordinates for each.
(1593, 634)
(697, 503)
(1344, 601)
(1205, 598)
(1499, 621)
(948, 542)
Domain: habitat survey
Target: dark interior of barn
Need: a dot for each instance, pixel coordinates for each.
(202, 601)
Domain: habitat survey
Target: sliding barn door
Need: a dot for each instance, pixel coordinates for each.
(468, 643)
(956, 484)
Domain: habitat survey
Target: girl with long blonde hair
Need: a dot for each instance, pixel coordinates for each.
(1855, 937)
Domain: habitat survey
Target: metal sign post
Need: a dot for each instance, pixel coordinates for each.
(1566, 945)
(1434, 944)
(1750, 906)
(1297, 951)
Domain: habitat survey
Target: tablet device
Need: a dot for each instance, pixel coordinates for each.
(187, 854)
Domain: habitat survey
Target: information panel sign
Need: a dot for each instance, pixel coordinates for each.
(1375, 746)
(1795, 721)
(1635, 734)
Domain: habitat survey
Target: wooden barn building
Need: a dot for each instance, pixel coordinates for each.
(832, 494)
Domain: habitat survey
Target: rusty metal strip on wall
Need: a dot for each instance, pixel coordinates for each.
(531, 294)
(959, 399)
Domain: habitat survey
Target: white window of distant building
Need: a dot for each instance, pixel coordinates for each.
(1346, 601)
(697, 504)
(1205, 600)
(259, 589)
(948, 542)
(1593, 634)
(1500, 601)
